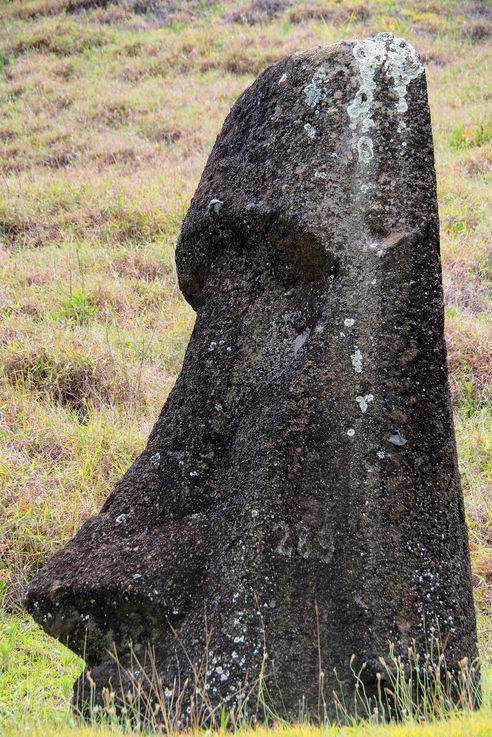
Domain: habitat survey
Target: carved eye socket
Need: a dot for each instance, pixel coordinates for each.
(289, 250)
(297, 256)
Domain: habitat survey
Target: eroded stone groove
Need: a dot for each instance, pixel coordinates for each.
(306, 455)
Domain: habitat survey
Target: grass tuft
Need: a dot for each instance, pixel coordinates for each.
(73, 380)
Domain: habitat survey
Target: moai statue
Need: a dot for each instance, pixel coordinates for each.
(298, 502)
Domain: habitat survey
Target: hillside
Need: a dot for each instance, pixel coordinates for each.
(107, 114)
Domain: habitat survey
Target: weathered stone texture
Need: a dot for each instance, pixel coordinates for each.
(306, 453)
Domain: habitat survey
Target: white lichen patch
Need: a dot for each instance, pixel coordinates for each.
(363, 402)
(356, 359)
(214, 206)
(398, 61)
(365, 149)
(377, 247)
(310, 130)
(403, 66)
(314, 91)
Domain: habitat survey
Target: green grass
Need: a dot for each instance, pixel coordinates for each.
(36, 678)
(106, 120)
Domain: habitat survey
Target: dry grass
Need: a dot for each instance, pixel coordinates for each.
(107, 115)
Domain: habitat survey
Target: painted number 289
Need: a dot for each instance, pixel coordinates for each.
(304, 542)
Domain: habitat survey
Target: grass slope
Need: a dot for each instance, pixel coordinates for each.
(107, 115)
